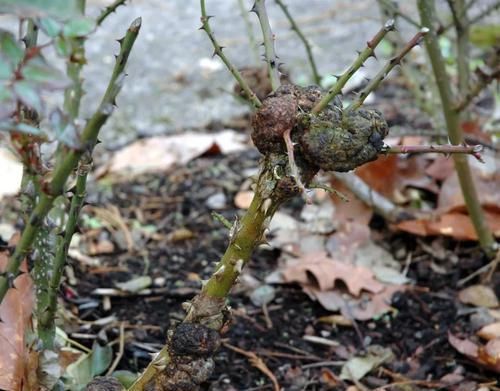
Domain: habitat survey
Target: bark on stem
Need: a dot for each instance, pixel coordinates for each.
(66, 165)
(426, 11)
(473, 150)
(109, 10)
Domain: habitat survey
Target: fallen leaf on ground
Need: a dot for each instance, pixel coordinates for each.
(15, 315)
(490, 331)
(479, 296)
(487, 355)
(326, 271)
(456, 225)
(12, 172)
(156, 154)
(357, 367)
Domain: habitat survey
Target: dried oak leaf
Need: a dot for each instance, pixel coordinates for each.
(325, 271)
(15, 315)
(487, 355)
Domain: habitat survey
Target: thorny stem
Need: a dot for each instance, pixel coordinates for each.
(374, 83)
(473, 150)
(305, 41)
(368, 52)
(109, 10)
(462, 27)
(484, 77)
(396, 12)
(46, 327)
(251, 37)
(66, 166)
(218, 51)
(209, 305)
(427, 10)
(473, 20)
(259, 8)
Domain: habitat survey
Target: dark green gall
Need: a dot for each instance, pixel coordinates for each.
(343, 141)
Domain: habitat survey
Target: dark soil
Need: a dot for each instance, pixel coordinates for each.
(416, 332)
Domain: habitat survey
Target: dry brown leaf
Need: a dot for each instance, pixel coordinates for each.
(456, 225)
(15, 313)
(156, 154)
(326, 271)
(348, 238)
(488, 189)
(485, 355)
(479, 296)
(441, 168)
(490, 331)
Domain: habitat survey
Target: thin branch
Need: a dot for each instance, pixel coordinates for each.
(305, 41)
(368, 52)
(374, 83)
(109, 10)
(474, 150)
(251, 37)
(218, 51)
(395, 10)
(380, 204)
(427, 11)
(259, 8)
(484, 77)
(460, 20)
(473, 20)
(66, 166)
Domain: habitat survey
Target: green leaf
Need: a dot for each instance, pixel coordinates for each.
(6, 68)
(49, 26)
(65, 130)
(10, 48)
(59, 9)
(39, 71)
(126, 378)
(101, 358)
(79, 27)
(7, 101)
(62, 46)
(28, 93)
(9, 126)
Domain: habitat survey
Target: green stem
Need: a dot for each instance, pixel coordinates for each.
(368, 52)
(251, 37)
(259, 8)
(66, 166)
(474, 19)
(305, 41)
(209, 305)
(109, 10)
(389, 66)
(218, 51)
(427, 10)
(46, 326)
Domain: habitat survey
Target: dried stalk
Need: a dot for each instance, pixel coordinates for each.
(218, 51)
(426, 11)
(259, 8)
(473, 150)
(305, 41)
(368, 52)
(66, 166)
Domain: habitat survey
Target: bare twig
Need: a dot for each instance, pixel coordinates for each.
(473, 150)
(396, 11)
(121, 350)
(305, 41)
(218, 51)
(368, 52)
(109, 10)
(374, 83)
(259, 8)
